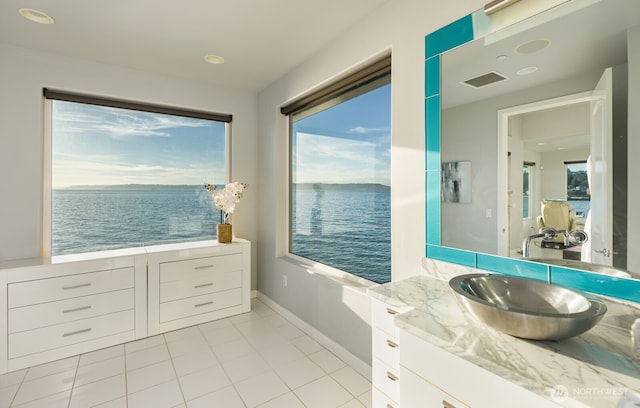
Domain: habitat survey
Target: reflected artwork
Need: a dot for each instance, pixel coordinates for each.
(456, 182)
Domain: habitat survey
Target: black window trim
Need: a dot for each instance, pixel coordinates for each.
(125, 104)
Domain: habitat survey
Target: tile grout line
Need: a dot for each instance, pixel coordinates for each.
(166, 343)
(19, 386)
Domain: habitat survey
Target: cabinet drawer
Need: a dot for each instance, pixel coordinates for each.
(200, 283)
(179, 270)
(386, 379)
(379, 400)
(47, 338)
(382, 318)
(67, 287)
(48, 314)
(416, 390)
(386, 348)
(182, 308)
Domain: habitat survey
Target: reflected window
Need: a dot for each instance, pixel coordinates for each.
(577, 187)
(527, 175)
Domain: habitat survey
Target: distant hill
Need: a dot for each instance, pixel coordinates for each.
(137, 187)
(342, 186)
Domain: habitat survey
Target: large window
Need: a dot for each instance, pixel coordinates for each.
(340, 176)
(125, 175)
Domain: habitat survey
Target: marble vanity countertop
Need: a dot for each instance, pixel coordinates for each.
(596, 369)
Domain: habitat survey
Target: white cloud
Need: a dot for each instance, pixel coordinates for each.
(107, 170)
(364, 130)
(119, 123)
(336, 160)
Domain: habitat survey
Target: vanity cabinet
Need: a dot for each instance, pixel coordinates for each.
(196, 285)
(63, 309)
(386, 356)
(433, 377)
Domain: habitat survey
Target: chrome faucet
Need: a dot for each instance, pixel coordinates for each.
(546, 233)
(575, 237)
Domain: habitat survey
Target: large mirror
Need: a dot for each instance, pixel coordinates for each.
(535, 135)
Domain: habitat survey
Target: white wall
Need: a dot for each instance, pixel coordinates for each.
(633, 237)
(23, 74)
(399, 26)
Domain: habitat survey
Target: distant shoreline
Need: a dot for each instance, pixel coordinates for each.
(301, 186)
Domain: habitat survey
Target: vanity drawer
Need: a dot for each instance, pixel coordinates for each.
(51, 313)
(67, 287)
(200, 283)
(179, 309)
(379, 400)
(60, 335)
(386, 348)
(386, 379)
(382, 318)
(179, 270)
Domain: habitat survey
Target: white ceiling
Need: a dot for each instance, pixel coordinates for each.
(261, 40)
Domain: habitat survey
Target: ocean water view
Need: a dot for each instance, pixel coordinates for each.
(347, 227)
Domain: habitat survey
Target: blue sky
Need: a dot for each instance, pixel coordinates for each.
(94, 145)
(348, 143)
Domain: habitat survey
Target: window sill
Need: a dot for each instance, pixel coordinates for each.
(336, 275)
(142, 250)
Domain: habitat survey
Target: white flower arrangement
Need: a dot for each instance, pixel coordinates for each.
(226, 199)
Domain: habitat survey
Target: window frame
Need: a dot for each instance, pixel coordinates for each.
(50, 95)
(364, 78)
(530, 166)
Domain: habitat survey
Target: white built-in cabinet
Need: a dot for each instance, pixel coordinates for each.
(386, 356)
(196, 286)
(77, 304)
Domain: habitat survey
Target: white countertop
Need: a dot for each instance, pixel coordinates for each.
(596, 367)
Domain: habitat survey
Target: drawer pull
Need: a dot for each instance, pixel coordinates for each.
(76, 332)
(203, 267)
(390, 406)
(392, 376)
(203, 304)
(77, 309)
(392, 312)
(392, 344)
(82, 285)
(204, 285)
(447, 404)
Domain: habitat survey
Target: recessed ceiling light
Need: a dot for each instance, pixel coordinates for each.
(532, 46)
(527, 71)
(501, 57)
(36, 16)
(214, 59)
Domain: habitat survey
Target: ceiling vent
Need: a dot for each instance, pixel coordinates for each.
(485, 79)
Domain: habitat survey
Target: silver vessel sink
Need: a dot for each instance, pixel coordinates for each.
(528, 308)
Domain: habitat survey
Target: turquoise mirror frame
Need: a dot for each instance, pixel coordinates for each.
(437, 43)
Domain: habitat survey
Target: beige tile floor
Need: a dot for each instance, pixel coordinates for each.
(257, 359)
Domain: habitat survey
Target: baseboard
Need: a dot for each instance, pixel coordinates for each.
(254, 294)
(345, 355)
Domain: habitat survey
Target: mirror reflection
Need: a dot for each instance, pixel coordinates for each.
(538, 111)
